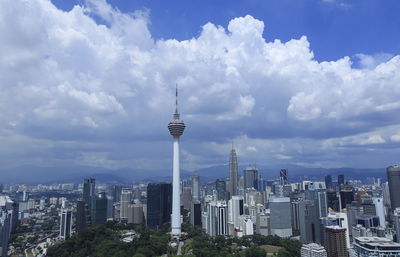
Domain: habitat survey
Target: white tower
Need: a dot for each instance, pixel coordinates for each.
(176, 128)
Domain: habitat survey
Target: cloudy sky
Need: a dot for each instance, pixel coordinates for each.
(313, 83)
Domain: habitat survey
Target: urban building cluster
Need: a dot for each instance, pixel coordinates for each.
(333, 217)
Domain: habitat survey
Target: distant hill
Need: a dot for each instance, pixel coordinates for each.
(75, 174)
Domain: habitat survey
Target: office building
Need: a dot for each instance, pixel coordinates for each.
(340, 179)
(336, 241)
(65, 224)
(98, 209)
(332, 200)
(176, 128)
(81, 215)
(115, 192)
(379, 210)
(328, 182)
(263, 223)
(251, 177)
(346, 196)
(335, 218)
(186, 197)
(309, 222)
(5, 231)
(246, 226)
(393, 176)
(280, 216)
(396, 223)
(136, 214)
(195, 188)
(159, 203)
(220, 187)
(312, 250)
(89, 190)
(375, 247)
(283, 177)
(126, 197)
(295, 211)
(215, 218)
(368, 221)
(233, 173)
(236, 208)
(195, 214)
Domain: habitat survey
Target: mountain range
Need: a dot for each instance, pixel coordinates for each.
(76, 174)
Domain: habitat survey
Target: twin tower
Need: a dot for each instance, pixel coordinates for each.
(176, 128)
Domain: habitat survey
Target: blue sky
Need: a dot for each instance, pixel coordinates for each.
(334, 28)
(91, 83)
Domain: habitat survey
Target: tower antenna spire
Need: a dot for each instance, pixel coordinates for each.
(176, 115)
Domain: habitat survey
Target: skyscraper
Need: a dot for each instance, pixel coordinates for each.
(393, 175)
(340, 179)
(283, 176)
(65, 224)
(396, 219)
(98, 210)
(336, 241)
(328, 181)
(89, 190)
(281, 219)
(159, 202)
(195, 188)
(126, 196)
(251, 178)
(176, 128)
(220, 187)
(233, 173)
(346, 196)
(81, 215)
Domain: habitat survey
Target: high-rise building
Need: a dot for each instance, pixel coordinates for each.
(195, 214)
(379, 210)
(186, 197)
(251, 178)
(5, 230)
(346, 196)
(340, 179)
(220, 187)
(159, 203)
(328, 181)
(313, 250)
(393, 176)
(81, 215)
(195, 188)
(98, 211)
(65, 224)
(332, 200)
(135, 214)
(396, 221)
(89, 190)
(309, 221)
(283, 176)
(215, 218)
(280, 217)
(176, 128)
(233, 173)
(115, 193)
(126, 196)
(336, 241)
(236, 208)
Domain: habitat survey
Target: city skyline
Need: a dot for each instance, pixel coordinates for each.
(89, 86)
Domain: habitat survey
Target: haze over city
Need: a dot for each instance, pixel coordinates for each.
(91, 83)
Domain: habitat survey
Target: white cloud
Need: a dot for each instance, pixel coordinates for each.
(63, 77)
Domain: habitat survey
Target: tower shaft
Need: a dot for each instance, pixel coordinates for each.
(176, 201)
